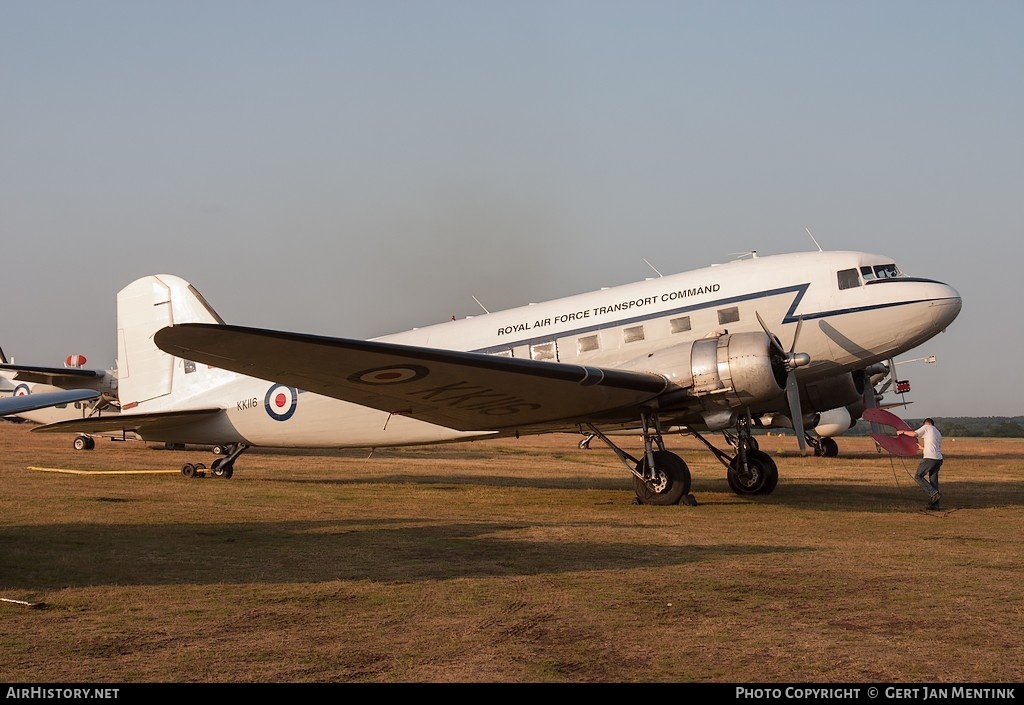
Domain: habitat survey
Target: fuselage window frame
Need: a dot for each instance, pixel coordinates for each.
(544, 351)
(633, 334)
(680, 325)
(588, 343)
(728, 315)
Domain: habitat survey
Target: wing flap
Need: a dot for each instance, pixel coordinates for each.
(461, 390)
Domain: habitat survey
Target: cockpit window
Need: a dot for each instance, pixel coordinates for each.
(880, 271)
(848, 279)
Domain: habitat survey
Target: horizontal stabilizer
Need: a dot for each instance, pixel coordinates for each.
(10, 406)
(460, 390)
(146, 425)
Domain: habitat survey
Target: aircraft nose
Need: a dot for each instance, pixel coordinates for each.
(946, 304)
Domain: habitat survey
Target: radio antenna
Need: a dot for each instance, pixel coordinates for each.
(815, 241)
(652, 267)
(480, 304)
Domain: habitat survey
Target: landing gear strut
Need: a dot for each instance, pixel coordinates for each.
(660, 477)
(221, 467)
(823, 447)
(750, 471)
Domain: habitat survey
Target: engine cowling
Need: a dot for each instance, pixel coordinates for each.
(723, 373)
(832, 393)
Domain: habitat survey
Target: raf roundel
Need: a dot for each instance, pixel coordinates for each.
(22, 390)
(389, 375)
(280, 402)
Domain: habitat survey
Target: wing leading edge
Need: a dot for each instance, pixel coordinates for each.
(54, 376)
(460, 390)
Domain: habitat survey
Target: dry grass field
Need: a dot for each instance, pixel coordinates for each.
(505, 561)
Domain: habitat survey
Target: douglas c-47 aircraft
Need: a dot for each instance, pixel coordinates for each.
(793, 340)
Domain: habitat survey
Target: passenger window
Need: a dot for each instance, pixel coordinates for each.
(728, 315)
(588, 343)
(680, 325)
(848, 279)
(633, 334)
(543, 351)
(503, 353)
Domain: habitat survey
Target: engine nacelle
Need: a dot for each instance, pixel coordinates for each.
(832, 393)
(724, 373)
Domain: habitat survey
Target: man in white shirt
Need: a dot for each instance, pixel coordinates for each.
(931, 439)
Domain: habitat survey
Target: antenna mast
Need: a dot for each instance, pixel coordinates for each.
(480, 304)
(813, 240)
(652, 267)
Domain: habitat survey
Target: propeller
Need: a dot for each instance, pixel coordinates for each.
(792, 361)
(872, 395)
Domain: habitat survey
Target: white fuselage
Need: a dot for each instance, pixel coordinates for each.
(844, 328)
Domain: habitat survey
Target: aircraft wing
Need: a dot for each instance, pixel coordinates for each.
(461, 390)
(11, 406)
(146, 425)
(54, 376)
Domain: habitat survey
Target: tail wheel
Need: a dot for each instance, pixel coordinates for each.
(760, 477)
(830, 449)
(222, 469)
(671, 483)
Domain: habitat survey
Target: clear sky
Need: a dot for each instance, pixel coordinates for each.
(360, 168)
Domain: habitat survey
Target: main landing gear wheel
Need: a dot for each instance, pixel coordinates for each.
(83, 443)
(826, 448)
(760, 477)
(671, 485)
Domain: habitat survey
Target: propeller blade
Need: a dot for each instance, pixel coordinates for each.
(771, 336)
(870, 399)
(796, 334)
(796, 415)
(793, 360)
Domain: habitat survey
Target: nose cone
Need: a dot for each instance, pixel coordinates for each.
(946, 304)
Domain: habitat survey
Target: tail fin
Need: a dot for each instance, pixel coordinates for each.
(147, 376)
